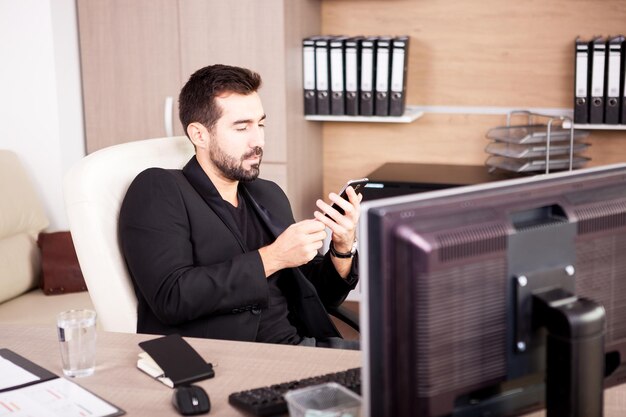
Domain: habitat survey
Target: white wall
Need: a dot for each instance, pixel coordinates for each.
(40, 102)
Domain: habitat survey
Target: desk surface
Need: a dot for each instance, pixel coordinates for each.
(238, 366)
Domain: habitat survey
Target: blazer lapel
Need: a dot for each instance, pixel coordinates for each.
(203, 186)
(275, 226)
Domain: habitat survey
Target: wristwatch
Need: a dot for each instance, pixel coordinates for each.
(343, 255)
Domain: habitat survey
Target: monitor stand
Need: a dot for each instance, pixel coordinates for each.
(575, 361)
(575, 353)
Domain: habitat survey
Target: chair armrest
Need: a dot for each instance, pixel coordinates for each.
(351, 318)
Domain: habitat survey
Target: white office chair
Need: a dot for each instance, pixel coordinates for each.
(93, 190)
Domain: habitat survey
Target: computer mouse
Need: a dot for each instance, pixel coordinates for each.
(190, 400)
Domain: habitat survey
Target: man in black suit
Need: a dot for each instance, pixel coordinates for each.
(214, 251)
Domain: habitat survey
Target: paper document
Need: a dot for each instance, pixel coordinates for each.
(12, 375)
(55, 398)
(149, 366)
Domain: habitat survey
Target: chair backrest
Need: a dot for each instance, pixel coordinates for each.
(93, 190)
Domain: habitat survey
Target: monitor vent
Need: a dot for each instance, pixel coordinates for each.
(471, 242)
(461, 334)
(600, 272)
(602, 216)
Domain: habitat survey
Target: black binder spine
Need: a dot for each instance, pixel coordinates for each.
(612, 81)
(322, 76)
(581, 81)
(596, 104)
(353, 74)
(368, 65)
(383, 64)
(308, 69)
(399, 66)
(337, 76)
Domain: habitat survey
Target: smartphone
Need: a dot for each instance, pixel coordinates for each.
(356, 184)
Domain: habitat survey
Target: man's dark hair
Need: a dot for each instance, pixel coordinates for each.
(196, 102)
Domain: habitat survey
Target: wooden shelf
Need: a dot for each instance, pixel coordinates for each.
(411, 113)
(599, 127)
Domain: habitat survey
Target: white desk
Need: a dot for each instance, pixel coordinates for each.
(238, 366)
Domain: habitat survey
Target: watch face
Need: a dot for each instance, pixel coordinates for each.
(354, 247)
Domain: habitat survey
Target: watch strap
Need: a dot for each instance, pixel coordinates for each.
(342, 255)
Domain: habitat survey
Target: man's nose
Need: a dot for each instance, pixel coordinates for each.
(257, 138)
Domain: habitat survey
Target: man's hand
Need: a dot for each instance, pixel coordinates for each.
(343, 226)
(297, 245)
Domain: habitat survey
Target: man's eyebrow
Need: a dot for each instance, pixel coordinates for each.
(246, 121)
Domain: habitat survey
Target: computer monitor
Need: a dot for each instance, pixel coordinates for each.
(495, 299)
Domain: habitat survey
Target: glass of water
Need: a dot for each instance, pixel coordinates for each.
(77, 338)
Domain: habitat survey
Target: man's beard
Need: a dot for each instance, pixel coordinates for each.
(232, 168)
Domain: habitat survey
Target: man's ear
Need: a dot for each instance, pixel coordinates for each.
(199, 135)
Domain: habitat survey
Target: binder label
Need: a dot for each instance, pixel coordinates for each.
(309, 68)
(581, 74)
(351, 70)
(321, 66)
(367, 69)
(382, 70)
(397, 70)
(336, 69)
(613, 73)
(597, 77)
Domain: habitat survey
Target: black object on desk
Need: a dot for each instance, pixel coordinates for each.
(397, 178)
(179, 361)
(191, 400)
(270, 401)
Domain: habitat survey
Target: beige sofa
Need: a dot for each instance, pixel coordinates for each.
(21, 219)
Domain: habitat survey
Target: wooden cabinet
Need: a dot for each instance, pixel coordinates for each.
(134, 55)
(129, 65)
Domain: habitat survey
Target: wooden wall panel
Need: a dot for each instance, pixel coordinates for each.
(483, 52)
(276, 173)
(303, 138)
(352, 152)
(472, 53)
(244, 33)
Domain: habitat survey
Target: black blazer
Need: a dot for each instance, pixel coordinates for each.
(190, 267)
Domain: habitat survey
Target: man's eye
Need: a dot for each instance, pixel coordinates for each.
(242, 128)
(261, 125)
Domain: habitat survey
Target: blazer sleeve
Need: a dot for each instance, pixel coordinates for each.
(156, 241)
(320, 271)
(331, 288)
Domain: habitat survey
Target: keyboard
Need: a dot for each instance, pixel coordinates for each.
(269, 401)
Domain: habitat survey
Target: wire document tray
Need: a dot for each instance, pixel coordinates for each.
(542, 143)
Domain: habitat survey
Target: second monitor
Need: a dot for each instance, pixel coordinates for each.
(496, 299)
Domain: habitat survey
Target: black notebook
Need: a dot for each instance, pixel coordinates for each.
(179, 361)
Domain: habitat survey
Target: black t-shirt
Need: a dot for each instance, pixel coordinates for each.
(274, 326)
